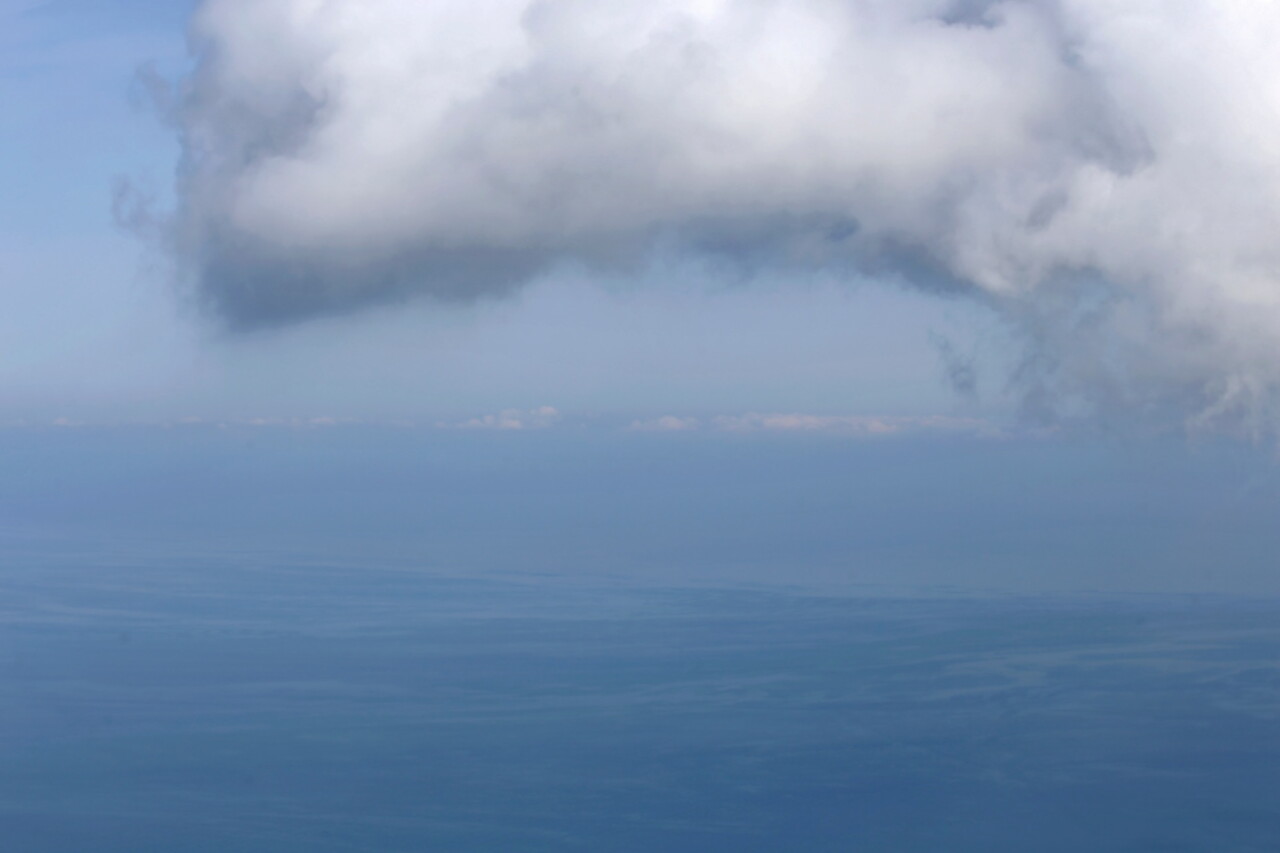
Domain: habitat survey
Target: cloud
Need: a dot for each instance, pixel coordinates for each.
(509, 419)
(854, 425)
(1104, 174)
(666, 423)
(321, 421)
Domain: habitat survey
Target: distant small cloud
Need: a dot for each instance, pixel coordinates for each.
(548, 417)
(855, 425)
(509, 419)
(295, 423)
(667, 423)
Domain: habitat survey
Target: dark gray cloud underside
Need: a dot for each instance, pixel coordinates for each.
(253, 290)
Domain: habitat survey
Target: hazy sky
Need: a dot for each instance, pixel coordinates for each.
(962, 246)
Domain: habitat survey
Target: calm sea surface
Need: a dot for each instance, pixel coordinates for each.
(239, 703)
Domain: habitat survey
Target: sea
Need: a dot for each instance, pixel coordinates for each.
(265, 704)
(295, 642)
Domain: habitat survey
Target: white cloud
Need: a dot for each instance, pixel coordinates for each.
(1104, 173)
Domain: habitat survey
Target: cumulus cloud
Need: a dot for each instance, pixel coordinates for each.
(1105, 174)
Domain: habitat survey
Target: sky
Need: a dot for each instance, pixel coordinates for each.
(1038, 210)
(920, 247)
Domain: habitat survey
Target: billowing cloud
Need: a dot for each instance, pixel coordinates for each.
(1105, 174)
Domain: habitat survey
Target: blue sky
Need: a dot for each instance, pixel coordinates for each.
(94, 331)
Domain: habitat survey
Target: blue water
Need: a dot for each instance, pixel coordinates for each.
(265, 703)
